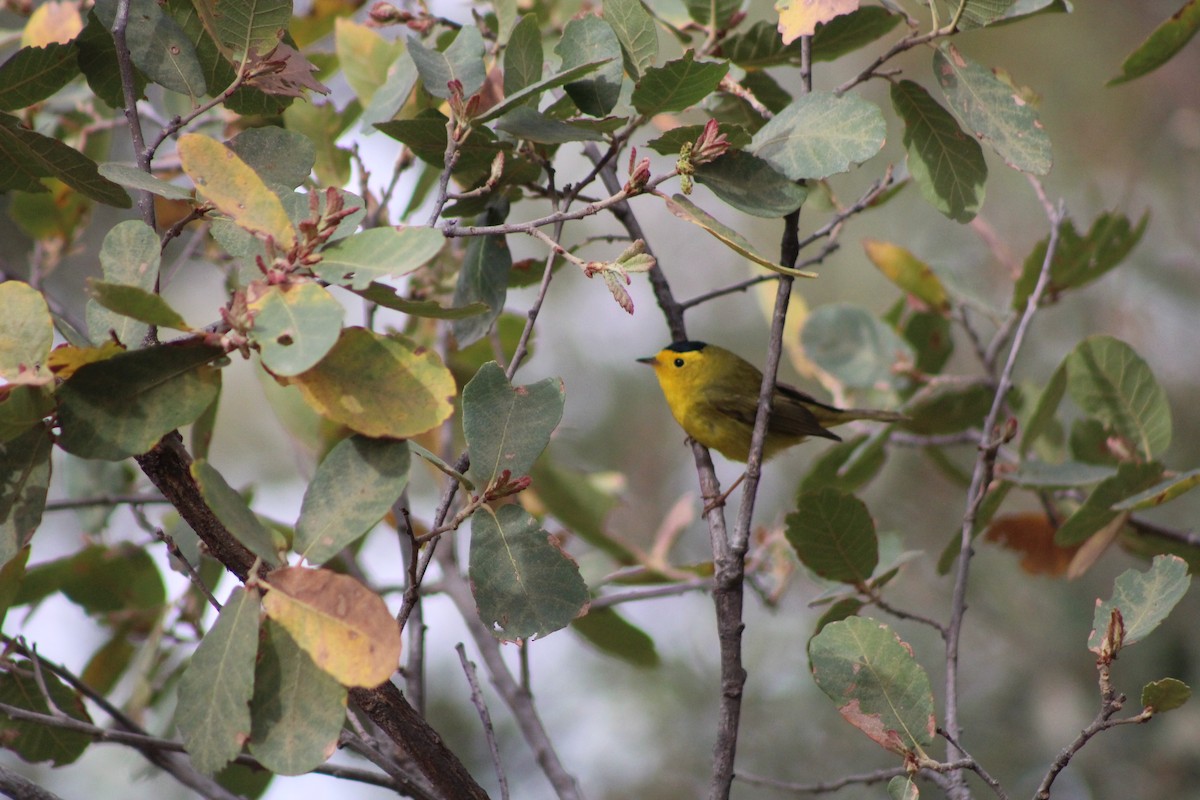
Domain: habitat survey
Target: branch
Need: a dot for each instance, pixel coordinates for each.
(167, 467)
(484, 717)
(518, 700)
(129, 94)
(981, 478)
(823, 787)
(19, 787)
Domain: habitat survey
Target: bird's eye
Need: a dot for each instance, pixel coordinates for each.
(679, 362)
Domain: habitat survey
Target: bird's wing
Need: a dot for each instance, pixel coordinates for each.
(790, 415)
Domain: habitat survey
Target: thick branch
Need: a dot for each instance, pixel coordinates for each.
(167, 467)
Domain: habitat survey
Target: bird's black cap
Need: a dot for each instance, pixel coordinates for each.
(686, 346)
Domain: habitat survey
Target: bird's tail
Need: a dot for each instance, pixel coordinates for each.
(838, 416)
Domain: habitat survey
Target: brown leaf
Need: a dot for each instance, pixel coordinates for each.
(1032, 536)
(344, 626)
(284, 72)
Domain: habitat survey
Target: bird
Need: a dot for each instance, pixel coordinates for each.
(713, 395)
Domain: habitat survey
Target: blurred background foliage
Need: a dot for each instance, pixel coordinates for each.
(1028, 680)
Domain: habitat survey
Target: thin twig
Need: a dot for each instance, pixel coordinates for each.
(822, 787)
(650, 593)
(484, 717)
(129, 95)
(981, 478)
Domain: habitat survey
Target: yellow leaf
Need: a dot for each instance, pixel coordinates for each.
(52, 23)
(344, 627)
(908, 272)
(65, 359)
(800, 17)
(235, 188)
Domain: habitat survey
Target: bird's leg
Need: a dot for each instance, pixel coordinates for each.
(720, 501)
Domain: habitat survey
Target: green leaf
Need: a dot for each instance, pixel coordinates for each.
(26, 330)
(1162, 44)
(484, 277)
(1079, 260)
(580, 504)
(32, 74)
(872, 677)
(1109, 381)
(377, 253)
(980, 13)
(715, 12)
(853, 346)
(686, 210)
(834, 536)
(1043, 416)
(932, 339)
(613, 635)
(158, 46)
(847, 465)
(517, 101)
(97, 58)
(213, 711)
(993, 110)
(282, 158)
(524, 57)
(1067, 475)
(365, 57)
(948, 407)
(526, 123)
(677, 85)
(32, 741)
(1097, 510)
(389, 98)
(903, 787)
(379, 386)
(587, 40)
(636, 31)
(1162, 492)
(1143, 598)
(297, 708)
(122, 406)
(820, 134)
(848, 32)
(945, 162)
(751, 185)
(26, 156)
(760, 46)
(462, 61)
(1166, 694)
(22, 408)
(353, 489)
(12, 574)
(507, 427)
(24, 482)
(524, 584)
(670, 143)
(136, 303)
(130, 255)
(251, 26)
(386, 296)
(231, 508)
(295, 326)
(134, 178)
(426, 135)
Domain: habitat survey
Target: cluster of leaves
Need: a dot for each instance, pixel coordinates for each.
(479, 118)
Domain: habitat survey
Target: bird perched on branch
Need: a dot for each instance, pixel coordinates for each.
(713, 395)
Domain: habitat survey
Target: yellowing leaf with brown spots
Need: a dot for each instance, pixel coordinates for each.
(800, 17)
(344, 627)
(65, 359)
(235, 188)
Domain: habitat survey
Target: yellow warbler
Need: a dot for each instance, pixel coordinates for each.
(713, 395)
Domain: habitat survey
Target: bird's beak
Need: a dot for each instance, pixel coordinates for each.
(651, 360)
